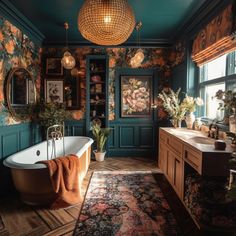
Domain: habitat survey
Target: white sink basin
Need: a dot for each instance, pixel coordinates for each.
(202, 140)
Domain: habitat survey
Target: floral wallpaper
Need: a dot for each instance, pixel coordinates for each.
(16, 50)
(161, 58)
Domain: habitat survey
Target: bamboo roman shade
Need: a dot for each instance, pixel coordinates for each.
(216, 38)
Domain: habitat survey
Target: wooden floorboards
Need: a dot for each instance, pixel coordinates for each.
(17, 218)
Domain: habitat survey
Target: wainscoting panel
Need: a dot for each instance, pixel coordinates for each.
(10, 143)
(75, 128)
(111, 140)
(127, 136)
(25, 139)
(132, 139)
(14, 138)
(146, 137)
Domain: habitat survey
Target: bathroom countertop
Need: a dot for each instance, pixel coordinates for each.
(196, 140)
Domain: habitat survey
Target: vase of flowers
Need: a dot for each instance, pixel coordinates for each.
(172, 105)
(190, 104)
(228, 104)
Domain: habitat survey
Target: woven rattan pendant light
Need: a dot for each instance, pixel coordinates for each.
(106, 22)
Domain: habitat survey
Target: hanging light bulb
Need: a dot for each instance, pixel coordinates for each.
(138, 58)
(106, 22)
(68, 61)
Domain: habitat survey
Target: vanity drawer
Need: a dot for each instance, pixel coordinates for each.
(193, 158)
(175, 145)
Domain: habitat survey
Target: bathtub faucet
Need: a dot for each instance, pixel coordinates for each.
(55, 132)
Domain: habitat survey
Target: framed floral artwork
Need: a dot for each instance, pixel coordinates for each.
(54, 90)
(53, 66)
(136, 96)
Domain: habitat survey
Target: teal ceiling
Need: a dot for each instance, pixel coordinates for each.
(162, 19)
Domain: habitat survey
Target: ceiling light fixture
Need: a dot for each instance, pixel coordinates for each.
(68, 61)
(106, 22)
(138, 58)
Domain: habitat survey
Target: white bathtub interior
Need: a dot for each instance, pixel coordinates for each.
(27, 158)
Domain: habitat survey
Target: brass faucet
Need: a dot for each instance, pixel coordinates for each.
(213, 131)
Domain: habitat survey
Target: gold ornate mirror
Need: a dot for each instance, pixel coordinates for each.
(20, 93)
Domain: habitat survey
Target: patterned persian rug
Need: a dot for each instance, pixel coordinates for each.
(125, 203)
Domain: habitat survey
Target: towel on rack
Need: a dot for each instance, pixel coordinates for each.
(64, 174)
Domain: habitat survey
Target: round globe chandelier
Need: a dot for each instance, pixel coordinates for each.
(106, 22)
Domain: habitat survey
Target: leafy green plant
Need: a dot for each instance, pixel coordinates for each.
(228, 99)
(47, 114)
(100, 135)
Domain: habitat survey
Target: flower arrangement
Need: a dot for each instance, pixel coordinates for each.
(190, 103)
(175, 108)
(172, 105)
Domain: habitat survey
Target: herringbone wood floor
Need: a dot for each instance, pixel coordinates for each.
(19, 219)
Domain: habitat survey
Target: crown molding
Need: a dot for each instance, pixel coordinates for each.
(149, 43)
(8, 11)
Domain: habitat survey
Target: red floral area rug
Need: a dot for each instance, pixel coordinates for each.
(125, 203)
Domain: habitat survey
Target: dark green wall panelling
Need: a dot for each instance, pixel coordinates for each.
(15, 138)
(179, 76)
(75, 128)
(134, 136)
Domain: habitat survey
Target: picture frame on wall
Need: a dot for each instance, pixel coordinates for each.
(54, 90)
(136, 96)
(54, 67)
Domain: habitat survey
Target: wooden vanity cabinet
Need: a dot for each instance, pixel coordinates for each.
(170, 162)
(175, 153)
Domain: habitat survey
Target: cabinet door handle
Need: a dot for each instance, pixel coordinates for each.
(186, 154)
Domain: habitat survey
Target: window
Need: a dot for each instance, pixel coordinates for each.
(215, 75)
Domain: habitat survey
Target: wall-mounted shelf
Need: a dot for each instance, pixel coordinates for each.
(97, 90)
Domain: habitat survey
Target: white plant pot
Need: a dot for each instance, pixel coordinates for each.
(99, 156)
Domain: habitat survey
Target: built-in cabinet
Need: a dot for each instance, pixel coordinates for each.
(97, 90)
(180, 149)
(170, 161)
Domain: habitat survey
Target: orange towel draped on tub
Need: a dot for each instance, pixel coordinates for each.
(64, 174)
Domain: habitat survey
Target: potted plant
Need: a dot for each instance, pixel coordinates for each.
(228, 104)
(48, 114)
(100, 136)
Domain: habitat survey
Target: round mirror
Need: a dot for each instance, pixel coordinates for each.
(20, 93)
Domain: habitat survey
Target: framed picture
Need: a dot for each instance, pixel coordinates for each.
(53, 66)
(136, 96)
(54, 90)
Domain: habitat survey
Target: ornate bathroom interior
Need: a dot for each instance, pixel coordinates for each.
(117, 117)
